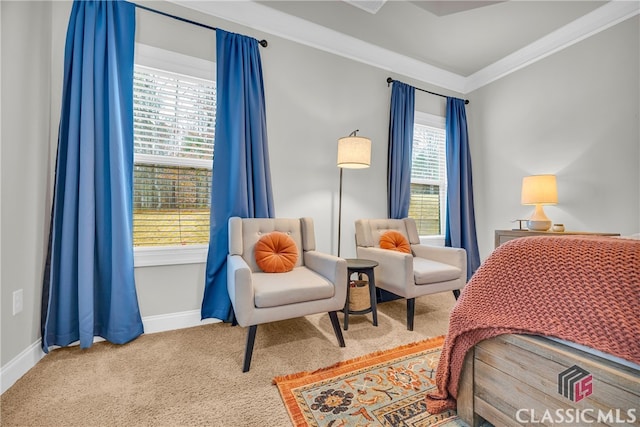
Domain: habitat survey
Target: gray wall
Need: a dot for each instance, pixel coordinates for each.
(559, 106)
(574, 114)
(25, 167)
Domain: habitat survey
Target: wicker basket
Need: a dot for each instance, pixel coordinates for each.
(359, 295)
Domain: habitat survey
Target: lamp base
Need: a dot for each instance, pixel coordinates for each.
(538, 225)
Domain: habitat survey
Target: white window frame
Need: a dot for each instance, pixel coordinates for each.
(439, 122)
(149, 56)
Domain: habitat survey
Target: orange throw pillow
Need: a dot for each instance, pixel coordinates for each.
(276, 252)
(395, 241)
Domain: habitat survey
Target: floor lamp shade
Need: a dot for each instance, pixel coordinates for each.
(354, 152)
(539, 190)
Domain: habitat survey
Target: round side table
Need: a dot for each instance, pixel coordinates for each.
(361, 266)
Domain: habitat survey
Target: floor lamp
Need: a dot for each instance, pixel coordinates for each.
(354, 152)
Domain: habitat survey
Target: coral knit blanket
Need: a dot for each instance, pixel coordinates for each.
(583, 289)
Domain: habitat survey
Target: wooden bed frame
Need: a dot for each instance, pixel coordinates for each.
(512, 380)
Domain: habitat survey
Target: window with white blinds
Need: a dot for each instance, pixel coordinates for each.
(174, 121)
(428, 175)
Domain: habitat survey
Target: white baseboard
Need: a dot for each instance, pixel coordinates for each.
(20, 365)
(27, 359)
(171, 321)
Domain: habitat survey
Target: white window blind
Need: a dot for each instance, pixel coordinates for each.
(428, 179)
(174, 123)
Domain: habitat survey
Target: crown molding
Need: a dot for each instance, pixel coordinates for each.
(268, 20)
(271, 21)
(586, 26)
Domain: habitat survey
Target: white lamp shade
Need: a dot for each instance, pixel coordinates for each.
(539, 190)
(354, 152)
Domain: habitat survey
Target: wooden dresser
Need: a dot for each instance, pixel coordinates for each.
(506, 235)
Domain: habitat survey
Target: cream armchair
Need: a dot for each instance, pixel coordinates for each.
(427, 270)
(317, 283)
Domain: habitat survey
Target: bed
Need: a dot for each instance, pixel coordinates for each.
(546, 332)
(513, 380)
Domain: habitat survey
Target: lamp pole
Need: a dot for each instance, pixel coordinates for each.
(340, 213)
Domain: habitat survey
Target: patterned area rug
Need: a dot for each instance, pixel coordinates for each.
(385, 388)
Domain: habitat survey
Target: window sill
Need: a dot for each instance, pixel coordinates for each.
(432, 240)
(169, 255)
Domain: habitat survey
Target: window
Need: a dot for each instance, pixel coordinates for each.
(428, 175)
(174, 123)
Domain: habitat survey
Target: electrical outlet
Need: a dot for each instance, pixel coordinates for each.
(18, 301)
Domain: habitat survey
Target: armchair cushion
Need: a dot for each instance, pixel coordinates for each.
(276, 252)
(296, 286)
(426, 271)
(395, 241)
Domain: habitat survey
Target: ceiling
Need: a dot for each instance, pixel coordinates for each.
(460, 45)
(462, 42)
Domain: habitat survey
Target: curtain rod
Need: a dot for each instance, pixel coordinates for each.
(390, 80)
(262, 43)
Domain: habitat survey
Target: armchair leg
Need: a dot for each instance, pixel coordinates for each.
(336, 327)
(411, 309)
(456, 293)
(251, 339)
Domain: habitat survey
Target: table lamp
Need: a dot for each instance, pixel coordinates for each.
(354, 152)
(539, 190)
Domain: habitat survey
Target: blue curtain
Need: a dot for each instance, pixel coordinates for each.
(460, 224)
(241, 183)
(89, 288)
(400, 149)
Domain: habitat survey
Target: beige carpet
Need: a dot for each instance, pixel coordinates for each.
(193, 377)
